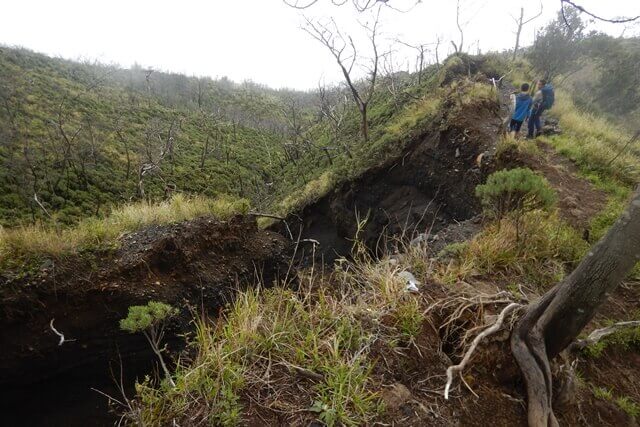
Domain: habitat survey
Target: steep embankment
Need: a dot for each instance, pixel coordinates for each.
(354, 347)
(84, 291)
(422, 189)
(195, 265)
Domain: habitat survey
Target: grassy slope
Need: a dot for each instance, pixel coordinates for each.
(95, 102)
(326, 334)
(394, 122)
(21, 247)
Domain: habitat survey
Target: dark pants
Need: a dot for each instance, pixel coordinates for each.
(534, 122)
(515, 125)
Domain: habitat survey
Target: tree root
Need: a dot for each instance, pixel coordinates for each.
(488, 331)
(529, 349)
(595, 336)
(457, 305)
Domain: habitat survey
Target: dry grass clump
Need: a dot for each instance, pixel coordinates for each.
(305, 354)
(594, 143)
(540, 256)
(38, 240)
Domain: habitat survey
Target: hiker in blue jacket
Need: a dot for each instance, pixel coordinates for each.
(523, 102)
(542, 101)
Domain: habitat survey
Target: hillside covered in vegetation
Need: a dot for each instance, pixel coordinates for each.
(250, 256)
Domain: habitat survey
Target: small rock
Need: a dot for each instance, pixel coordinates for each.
(411, 281)
(396, 396)
(577, 213)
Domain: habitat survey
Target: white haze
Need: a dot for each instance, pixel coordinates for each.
(260, 40)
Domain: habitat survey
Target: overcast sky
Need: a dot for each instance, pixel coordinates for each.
(260, 40)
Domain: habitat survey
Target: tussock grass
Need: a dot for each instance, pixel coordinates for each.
(509, 144)
(28, 242)
(539, 257)
(305, 351)
(310, 193)
(593, 142)
(469, 92)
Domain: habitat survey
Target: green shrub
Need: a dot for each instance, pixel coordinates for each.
(151, 320)
(144, 317)
(517, 190)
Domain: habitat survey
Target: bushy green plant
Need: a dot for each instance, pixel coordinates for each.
(515, 190)
(151, 319)
(144, 317)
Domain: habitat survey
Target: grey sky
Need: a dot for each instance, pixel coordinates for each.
(259, 40)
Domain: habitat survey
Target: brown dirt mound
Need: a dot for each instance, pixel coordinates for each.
(190, 264)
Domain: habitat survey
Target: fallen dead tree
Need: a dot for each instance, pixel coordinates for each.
(597, 335)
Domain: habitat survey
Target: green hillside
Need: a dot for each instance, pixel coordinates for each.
(84, 138)
(77, 135)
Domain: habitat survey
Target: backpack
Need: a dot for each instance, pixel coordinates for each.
(548, 96)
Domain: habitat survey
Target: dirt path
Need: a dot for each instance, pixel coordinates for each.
(578, 200)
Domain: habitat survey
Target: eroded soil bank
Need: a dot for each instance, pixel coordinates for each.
(194, 265)
(428, 187)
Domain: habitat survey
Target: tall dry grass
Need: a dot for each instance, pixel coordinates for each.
(45, 240)
(594, 143)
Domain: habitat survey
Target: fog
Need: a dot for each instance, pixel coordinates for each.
(261, 40)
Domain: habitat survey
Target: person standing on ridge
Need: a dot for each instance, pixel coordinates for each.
(542, 101)
(522, 109)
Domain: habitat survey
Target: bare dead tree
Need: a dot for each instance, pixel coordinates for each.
(436, 50)
(210, 123)
(458, 47)
(344, 51)
(622, 20)
(521, 22)
(421, 50)
(199, 92)
(154, 165)
(296, 127)
(147, 78)
(359, 5)
(553, 322)
(335, 111)
(125, 144)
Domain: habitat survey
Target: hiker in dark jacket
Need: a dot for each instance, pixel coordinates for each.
(542, 101)
(523, 102)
